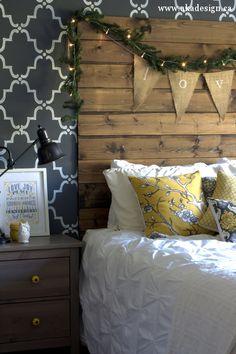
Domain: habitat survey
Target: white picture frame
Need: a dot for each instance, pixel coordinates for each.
(24, 196)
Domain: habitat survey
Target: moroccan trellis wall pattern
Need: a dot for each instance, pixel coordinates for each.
(32, 41)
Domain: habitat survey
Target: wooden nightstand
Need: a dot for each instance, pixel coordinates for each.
(39, 294)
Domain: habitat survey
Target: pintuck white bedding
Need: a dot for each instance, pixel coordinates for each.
(163, 296)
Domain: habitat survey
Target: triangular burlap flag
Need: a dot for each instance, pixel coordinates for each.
(145, 78)
(220, 86)
(182, 85)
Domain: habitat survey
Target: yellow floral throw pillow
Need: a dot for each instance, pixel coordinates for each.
(171, 205)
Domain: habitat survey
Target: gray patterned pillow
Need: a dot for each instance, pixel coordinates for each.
(224, 213)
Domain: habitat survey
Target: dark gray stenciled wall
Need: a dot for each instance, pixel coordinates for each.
(32, 41)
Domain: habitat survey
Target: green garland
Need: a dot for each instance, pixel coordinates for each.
(132, 41)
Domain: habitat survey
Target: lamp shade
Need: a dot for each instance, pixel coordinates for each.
(48, 151)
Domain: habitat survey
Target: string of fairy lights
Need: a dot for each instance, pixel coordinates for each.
(131, 40)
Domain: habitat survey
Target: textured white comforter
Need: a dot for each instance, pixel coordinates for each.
(170, 296)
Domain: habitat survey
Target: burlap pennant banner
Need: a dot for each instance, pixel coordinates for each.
(220, 85)
(182, 85)
(145, 78)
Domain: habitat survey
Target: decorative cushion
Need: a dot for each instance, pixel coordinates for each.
(225, 189)
(124, 212)
(208, 186)
(224, 213)
(170, 205)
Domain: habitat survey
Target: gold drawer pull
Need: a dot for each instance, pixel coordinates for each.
(35, 279)
(35, 322)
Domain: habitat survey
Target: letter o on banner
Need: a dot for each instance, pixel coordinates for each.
(179, 81)
(183, 84)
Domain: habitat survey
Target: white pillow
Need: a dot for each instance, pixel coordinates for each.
(125, 211)
(225, 164)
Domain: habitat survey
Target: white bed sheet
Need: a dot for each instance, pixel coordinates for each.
(169, 296)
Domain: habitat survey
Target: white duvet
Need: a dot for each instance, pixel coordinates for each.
(169, 296)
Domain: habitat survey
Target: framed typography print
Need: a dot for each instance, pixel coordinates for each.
(24, 197)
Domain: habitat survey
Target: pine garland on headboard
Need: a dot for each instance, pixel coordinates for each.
(131, 40)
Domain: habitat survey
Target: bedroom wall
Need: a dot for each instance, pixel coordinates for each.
(31, 45)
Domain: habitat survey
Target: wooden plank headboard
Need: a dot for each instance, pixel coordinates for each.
(110, 129)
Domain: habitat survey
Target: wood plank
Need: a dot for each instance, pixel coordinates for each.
(121, 100)
(94, 51)
(90, 171)
(188, 146)
(103, 51)
(121, 76)
(106, 99)
(175, 31)
(118, 76)
(155, 124)
(93, 218)
(94, 195)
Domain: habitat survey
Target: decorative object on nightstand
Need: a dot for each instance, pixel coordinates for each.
(39, 294)
(24, 232)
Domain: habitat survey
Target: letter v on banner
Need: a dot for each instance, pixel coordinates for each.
(220, 86)
(182, 86)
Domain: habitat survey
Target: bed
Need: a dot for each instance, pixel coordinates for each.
(157, 296)
(145, 290)
(165, 293)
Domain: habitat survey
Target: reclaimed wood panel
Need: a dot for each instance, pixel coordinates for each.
(110, 129)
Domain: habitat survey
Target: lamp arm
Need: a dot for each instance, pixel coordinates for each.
(28, 148)
(12, 162)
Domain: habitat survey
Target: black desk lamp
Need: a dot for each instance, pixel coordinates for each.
(48, 151)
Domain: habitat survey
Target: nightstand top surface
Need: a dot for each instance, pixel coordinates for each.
(42, 242)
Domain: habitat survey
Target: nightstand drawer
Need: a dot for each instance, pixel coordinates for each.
(34, 320)
(22, 279)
